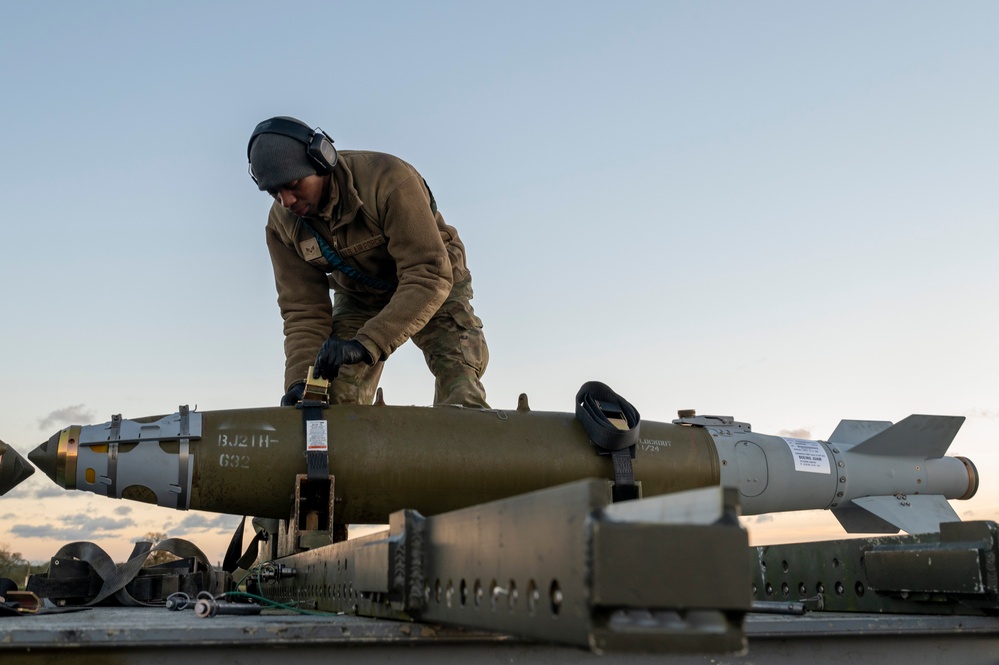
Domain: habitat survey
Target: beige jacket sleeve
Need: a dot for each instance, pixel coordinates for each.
(304, 298)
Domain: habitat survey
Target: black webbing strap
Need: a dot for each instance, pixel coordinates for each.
(116, 579)
(596, 406)
(316, 439)
(235, 555)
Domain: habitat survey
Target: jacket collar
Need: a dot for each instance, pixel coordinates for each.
(344, 201)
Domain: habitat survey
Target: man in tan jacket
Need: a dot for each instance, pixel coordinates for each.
(366, 226)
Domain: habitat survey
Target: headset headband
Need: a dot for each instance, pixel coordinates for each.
(318, 144)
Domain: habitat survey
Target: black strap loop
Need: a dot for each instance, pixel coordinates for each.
(612, 424)
(235, 556)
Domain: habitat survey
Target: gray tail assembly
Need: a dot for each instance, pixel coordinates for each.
(919, 437)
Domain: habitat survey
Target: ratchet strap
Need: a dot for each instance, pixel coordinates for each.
(316, 438)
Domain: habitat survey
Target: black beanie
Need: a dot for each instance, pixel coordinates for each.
(277, 160)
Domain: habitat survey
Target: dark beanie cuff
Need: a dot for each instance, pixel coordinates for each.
(277, 160)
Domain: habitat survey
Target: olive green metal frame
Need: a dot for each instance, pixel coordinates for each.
(950, 572)
(558, 565)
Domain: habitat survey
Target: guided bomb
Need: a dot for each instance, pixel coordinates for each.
(876, 477)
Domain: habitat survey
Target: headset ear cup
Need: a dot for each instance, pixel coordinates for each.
(322, 153)
(329, 153)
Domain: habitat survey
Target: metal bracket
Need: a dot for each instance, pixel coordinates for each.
(311, 522)
(715, 422)
(167, 428)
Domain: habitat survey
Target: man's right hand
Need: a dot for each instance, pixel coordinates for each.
(294, 394)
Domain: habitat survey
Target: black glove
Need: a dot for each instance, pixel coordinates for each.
(337, 352)
(294, 394)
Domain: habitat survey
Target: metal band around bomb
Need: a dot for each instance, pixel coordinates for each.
(66, 457)
(94, 457)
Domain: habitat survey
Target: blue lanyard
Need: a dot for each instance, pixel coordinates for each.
(338, 263)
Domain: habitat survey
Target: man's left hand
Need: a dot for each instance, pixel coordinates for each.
(337, 352)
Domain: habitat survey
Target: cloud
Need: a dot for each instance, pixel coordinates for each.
(48, 491)
(100, 523)
(983, 413)
(27, 489)
(196, 522)
(800, 433)
(66, 416)
(73, 527)
(123, 510)
(763, 519)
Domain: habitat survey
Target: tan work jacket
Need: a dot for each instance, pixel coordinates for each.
(380, 221)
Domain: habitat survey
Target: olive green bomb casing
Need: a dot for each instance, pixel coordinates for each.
(383, 458)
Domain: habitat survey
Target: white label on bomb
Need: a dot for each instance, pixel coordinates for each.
(809, 456)
(315, 435)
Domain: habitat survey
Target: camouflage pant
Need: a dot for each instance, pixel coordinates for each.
(452, 343)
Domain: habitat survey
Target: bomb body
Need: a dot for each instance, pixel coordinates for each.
(438, 459)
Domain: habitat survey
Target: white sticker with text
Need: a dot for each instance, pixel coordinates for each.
(809, 456)
(315, 435)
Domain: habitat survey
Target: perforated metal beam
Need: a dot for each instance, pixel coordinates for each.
(559, 565)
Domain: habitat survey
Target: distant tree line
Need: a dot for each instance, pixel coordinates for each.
(14, 567)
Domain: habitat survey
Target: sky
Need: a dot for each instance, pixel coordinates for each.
(784, 212)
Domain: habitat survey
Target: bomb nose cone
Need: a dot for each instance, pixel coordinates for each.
(46, 456)
(13, 469)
